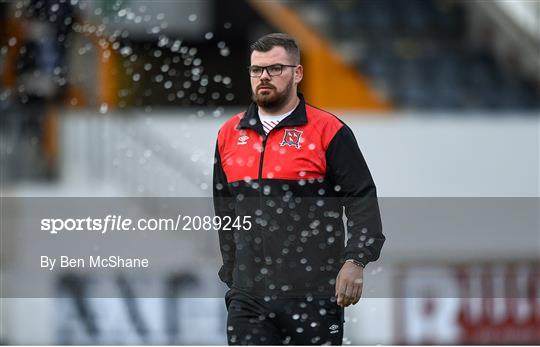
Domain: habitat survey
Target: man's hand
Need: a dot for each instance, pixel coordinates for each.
(349, 283)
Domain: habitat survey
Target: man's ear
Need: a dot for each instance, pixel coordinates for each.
(298, 74)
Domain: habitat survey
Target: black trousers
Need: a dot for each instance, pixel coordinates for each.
(297, 321)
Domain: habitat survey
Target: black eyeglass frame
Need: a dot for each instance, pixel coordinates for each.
(268, 71)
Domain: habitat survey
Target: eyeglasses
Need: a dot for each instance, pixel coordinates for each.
(273, 70)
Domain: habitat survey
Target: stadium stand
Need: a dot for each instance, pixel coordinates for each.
(418, 54)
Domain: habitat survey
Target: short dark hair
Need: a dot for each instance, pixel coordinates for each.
(267, 42)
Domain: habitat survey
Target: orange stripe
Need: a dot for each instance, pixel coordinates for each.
(14, 31)
(50, 135)
(107, 74)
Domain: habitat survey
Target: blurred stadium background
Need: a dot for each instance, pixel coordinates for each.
(124, 98)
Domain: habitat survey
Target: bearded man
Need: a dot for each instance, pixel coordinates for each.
(295, 169)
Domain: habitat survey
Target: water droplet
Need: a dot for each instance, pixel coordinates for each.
(225, 52)
(208, 35)
(192, 17)
(176, 45)
(163, 41)
(103, 108)
(218, 112)
(125, 51)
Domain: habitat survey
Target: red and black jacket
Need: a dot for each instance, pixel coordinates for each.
(294, 183)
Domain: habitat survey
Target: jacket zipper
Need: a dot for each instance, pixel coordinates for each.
(261, 161)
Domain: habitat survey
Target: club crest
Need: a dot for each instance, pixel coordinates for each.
(291, 138)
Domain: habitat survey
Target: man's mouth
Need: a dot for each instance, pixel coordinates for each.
(265, 88)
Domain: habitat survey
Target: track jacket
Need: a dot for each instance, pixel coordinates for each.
(294, 183)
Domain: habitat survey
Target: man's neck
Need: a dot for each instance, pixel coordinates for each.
(289, 106)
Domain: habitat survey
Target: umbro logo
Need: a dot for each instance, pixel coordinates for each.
(242, 140)
(334, 329)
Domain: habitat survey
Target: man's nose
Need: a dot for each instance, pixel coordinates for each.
(265, 75)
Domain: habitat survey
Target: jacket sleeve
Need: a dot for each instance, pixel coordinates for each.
(353, 183)
(223, 206)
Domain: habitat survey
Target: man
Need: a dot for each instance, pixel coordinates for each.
(292, 168)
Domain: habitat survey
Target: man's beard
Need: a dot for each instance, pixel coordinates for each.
(275, 100)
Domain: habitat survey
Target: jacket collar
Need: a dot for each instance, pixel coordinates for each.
(251, 120)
